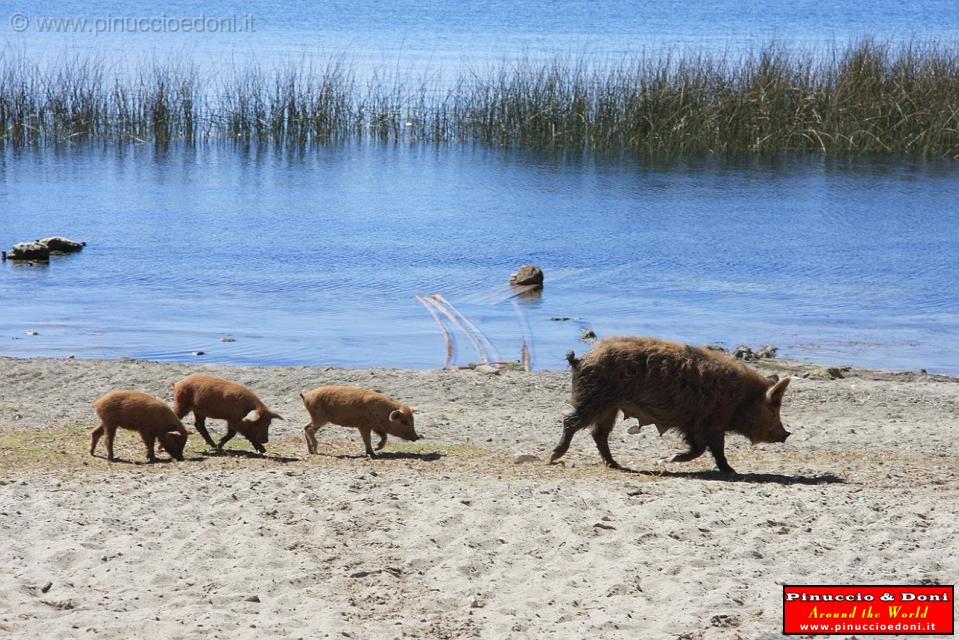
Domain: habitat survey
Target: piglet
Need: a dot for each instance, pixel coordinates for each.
(139, 412)
(363, 409)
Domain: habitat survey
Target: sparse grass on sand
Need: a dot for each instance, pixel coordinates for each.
(64, 451)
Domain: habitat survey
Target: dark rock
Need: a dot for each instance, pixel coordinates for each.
(587, 335)
(827, 373)
(768, 351)
(59, 244)
(742, 352)
(527, 274)
(252, 599)
(29, 251)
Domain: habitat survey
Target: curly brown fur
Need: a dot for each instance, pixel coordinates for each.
(700, 392)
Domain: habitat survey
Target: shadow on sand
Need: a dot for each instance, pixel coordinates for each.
(145, 462)
(252, 455)
(758, 478)
(390, 455)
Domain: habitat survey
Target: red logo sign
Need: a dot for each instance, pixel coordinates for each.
(900, 610)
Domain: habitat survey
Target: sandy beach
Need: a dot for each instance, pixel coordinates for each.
(449, 537)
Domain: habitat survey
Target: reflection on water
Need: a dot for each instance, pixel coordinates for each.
(314, 256)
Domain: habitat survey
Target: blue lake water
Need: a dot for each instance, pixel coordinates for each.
(440, 36)
(315, 256)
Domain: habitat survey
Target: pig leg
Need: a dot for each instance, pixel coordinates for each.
(310, 432)
(696, 448)
(601, 431)
(229, 435)
(382, 442)
(95, 438)
(717, 443)
(110, 431)
(365, 434)
(199, 422)
(150, 442)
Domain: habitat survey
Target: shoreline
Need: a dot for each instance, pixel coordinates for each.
(449, 537)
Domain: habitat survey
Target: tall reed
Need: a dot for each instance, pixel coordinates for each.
(870, 98)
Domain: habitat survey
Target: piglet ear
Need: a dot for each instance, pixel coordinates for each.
(775, 393)
(253, 416)
(396, 416)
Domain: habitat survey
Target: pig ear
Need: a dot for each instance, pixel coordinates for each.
(396, 416)
(775, 393)
(253, 416)
(276, 416)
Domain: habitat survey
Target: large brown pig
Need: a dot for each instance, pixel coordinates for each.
(701, 393)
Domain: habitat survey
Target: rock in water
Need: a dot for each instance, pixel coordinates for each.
(59, 244)
(768, 351)
(527, 274)
(29, 251)
(743, 352)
